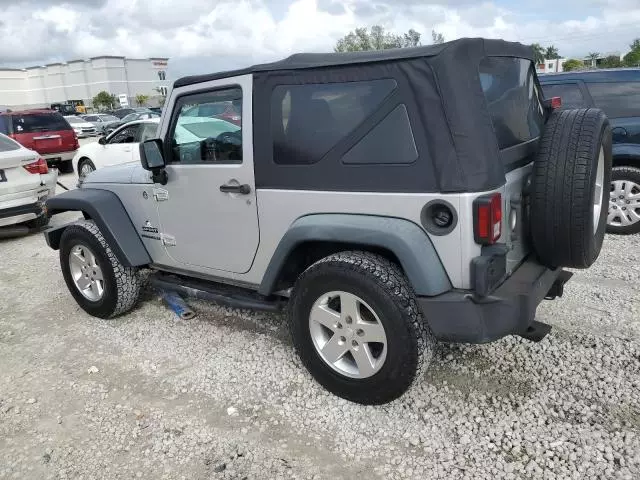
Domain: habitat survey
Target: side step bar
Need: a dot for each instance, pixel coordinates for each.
(225, 295)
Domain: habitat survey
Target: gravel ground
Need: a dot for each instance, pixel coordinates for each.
(223, 396)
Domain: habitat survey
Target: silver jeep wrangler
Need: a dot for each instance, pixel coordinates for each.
(385, 200)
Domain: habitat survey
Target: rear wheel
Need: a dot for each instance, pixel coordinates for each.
(624, 201)
(85, 167)
(66, 166)
(38, 223)
(357, 327)
(571, 175)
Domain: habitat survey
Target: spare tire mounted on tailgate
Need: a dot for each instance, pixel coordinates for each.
(570, 188)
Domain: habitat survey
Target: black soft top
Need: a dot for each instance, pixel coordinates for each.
(441, 90)
(449, 51)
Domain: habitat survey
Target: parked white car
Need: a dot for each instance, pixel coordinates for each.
(25, 184)
(81, 127)
(120, 146)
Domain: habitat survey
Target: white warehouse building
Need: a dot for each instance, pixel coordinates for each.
(41, 86)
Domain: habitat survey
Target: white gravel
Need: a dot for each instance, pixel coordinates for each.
(224, 397)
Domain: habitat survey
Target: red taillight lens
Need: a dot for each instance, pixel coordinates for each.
(556, 102)
(39, 167)
(487, 217)
(76, 144)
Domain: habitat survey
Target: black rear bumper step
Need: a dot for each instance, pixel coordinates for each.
(225, 295)
(536, 331)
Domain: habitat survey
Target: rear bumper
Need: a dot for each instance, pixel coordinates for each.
(21, 213)
(58, 157)
(462, 316)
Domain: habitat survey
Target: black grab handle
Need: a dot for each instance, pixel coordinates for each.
(243, 189)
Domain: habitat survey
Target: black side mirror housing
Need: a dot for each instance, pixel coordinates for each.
(152, 160)
(102, 140)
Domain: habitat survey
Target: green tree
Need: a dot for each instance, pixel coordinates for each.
(376, 38)
(632, 59)
(538, 53)
(551, 53)
(104, 100)
(437, 37)
(141, 99)
(593, 56)
(572, 64)
(612, 61)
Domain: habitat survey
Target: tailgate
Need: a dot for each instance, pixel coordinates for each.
(17, 179)
(49, 143)
(517, 239)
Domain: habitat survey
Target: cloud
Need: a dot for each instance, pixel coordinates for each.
(202, 36)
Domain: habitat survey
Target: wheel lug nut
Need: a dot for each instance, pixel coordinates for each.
(614, 207)
(343, 339)
(349, 320)
(339, 325)
(628, 202)
(624, 208)
(621, 197)
(360, 332)
(354, 343)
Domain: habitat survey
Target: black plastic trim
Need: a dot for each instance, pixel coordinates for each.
(461, 316)
(106, 210)
(431, 227)
(21, 210)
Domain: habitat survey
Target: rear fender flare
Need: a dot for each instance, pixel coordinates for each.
(406, 240)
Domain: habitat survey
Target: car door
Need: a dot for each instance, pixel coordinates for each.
(120, 147)
(207, 209)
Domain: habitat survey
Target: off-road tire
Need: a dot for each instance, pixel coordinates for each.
(631, 174)
(38, 223)
(122, 284)
(65, 167)
(383, 286)
(563, 186)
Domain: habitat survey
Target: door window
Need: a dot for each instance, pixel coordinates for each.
(125, 135)
(199, 139)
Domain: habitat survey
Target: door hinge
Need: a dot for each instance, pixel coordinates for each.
(160, 194)
(168, 240)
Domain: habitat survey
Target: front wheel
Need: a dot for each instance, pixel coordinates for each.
(96, 279)
(624, 201)
(358, 329)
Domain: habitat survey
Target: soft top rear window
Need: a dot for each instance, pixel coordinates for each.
(513, 99)
(39, 122)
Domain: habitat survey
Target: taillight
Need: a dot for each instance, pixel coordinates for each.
(556, 102)
(39, 166)
(76, 144)
(487, 218)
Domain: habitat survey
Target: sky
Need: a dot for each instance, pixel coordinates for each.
(201, 36)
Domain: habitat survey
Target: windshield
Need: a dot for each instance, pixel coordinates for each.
(109, 118)
(130, 118)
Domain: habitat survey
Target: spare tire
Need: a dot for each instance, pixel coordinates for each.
(570, 188)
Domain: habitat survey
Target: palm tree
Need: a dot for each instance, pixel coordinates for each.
(593, 56)
(538, 53)
(551, 53)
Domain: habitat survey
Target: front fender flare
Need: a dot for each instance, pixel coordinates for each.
(106, 210)
(408, 242)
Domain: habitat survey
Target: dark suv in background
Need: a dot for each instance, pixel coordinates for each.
(44, 131)
(617, 92)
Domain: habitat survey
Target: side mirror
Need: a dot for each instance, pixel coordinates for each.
(152, 159)
(102, 140)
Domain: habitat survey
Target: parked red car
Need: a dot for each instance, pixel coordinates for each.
(44, 131)
(222, 110)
